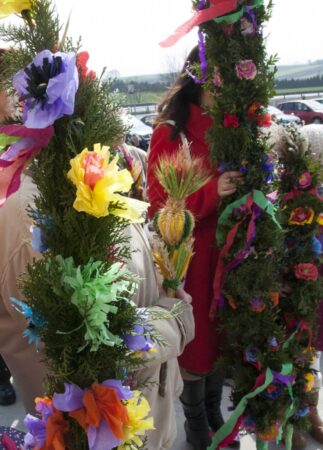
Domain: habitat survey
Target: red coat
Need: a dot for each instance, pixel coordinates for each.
(200, 354)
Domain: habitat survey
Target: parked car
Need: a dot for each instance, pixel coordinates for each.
(310, 111)
(149, 119)
(318, 99)
(279, 116)
(138, 133)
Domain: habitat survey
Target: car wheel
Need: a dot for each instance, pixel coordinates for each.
(316, 120)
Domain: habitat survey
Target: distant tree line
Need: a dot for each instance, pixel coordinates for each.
(131, 87)
(316, 81)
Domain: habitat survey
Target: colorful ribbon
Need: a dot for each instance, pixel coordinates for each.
(234, 17)
(217, 9)
(25, 144)
(229, 428)
(255, 203)
(203, 61)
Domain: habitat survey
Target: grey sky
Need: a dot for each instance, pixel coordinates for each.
(124, 35)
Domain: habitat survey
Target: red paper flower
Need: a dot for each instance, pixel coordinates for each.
(230, 120)
(301, 216)
(254, 113)
(306, 271)
(305, 180)
(81, 62)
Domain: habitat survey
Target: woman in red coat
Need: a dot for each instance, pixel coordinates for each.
(182, 115)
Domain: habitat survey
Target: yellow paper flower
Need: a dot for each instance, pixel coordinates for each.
(301, 216)
(310, 380)
(99, 181)
(8, 7)
(138, 409)
(320, 219)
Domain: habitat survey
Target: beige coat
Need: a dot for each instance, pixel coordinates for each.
(23, 359)
(176, 333)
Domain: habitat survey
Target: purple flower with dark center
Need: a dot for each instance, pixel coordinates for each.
(47, 86)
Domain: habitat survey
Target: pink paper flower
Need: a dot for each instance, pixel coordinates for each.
(246, 69)
(305, 180)
(306, 271)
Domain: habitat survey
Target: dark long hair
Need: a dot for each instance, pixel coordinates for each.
(175, 105)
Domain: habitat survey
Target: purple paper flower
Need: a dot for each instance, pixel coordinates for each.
(246, 69)
(48, 85)
(36, 431)
(72, 399)
(140, 338)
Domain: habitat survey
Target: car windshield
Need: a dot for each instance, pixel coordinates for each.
(273, 110)
(314, 105)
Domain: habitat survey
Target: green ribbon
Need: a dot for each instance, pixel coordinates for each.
(234, 17)
(259, 199)
(228, 427)
(262, 445)
(7, 140)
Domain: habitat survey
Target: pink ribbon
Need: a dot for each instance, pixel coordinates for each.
(16, 157)
(218, 8)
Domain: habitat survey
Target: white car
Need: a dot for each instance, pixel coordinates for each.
(281, 117)
(137, 129)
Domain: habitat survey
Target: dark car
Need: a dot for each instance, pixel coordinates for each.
(309, 111)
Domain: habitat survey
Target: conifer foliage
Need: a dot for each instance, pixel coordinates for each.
(77, 296)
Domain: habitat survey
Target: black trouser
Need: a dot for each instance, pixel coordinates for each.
(4, 372)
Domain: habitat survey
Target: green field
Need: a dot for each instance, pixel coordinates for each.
(303, 90)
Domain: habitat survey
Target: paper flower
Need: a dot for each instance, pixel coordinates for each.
(250, 356)
(306, 271)
(303, 412)
(100, 410)
(246, 69)
(256, 115)
(48, 85)
(301, 216)
(99, 181)
(310, 382)
(316, 245)
(138, 409)
(29, 143)
(36, 321)
(270, 434)
(8, 7)
(95, 291)
(257, 305)
(305, 180)
(319, 219)
(230, 121)
(273, 391)
(217, 79)
(140, 339)
(81, 62)
(48, 431)
(247, 26)
(273, 344)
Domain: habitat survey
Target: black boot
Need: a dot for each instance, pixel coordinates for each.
(213, 397)
(196, 425)
(7, 393)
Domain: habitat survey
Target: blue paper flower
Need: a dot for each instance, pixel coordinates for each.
(48, 86)
(316, 246)
(303, 412)
(140, 338)
(36, 321)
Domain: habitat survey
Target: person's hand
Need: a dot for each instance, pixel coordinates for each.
(227, 183)
(183, 295)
